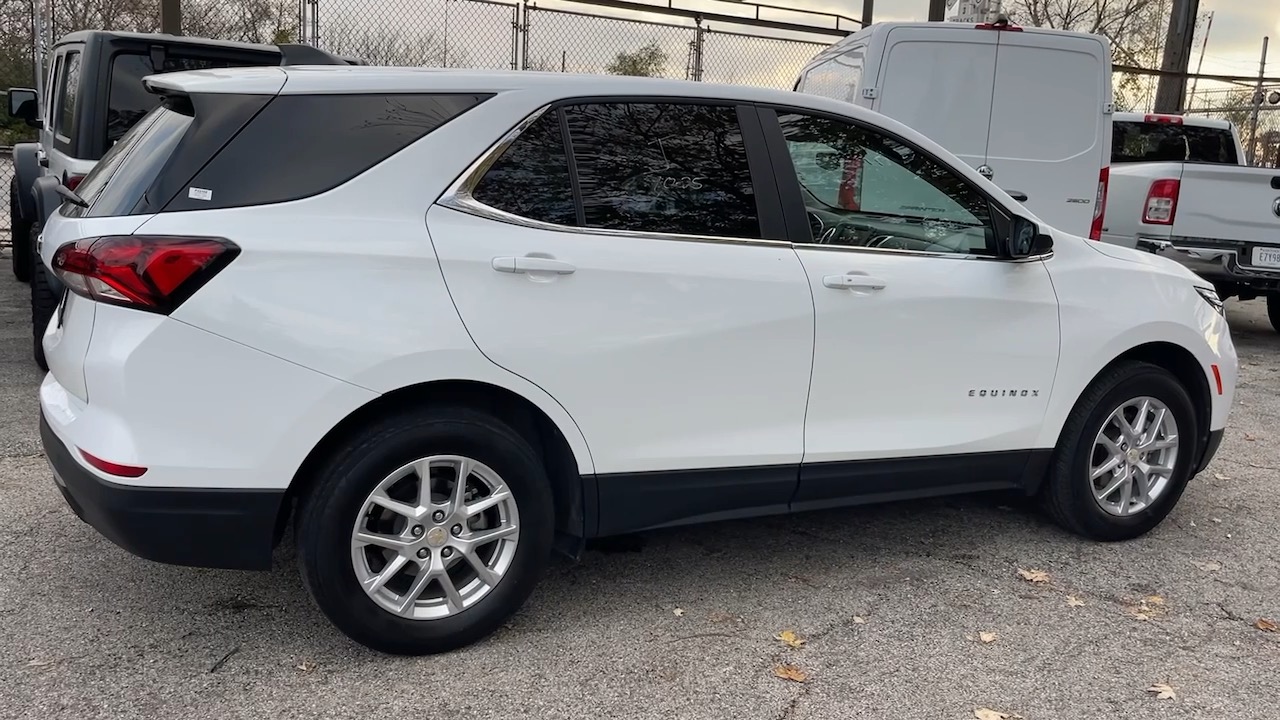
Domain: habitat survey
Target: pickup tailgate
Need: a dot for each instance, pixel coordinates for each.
(1226, 202)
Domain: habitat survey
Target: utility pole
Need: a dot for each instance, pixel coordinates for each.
(171, 17)
(1204, 47)
(868, 8)
(1172, 89)
(1257, 99)
(937, 10)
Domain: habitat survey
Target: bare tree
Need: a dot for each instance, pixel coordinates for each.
(385, 45)
(648, 61)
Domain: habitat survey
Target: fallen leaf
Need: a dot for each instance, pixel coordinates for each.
(790, 672)
(1163, 691)
(989, 714)
(679, 612)
(1154, 600)
(987, 637)
(1249, 437)
(1034, 576)
(1207, 565)
(1266, 625)
(790, 639)
(1220, 476)
(305, 666)
(858, 620)
(1073, 601)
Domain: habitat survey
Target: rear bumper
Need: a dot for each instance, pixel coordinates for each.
(1218, 261)
(232, 529)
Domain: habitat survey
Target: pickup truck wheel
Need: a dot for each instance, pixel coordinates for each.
(43, 302)
(1125, 455)
(426, 531)
(1273, 310)
(19, 235)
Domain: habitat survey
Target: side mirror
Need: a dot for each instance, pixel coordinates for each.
(1025, 240)
(24, 105)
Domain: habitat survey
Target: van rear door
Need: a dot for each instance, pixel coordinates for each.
(1050, 136)
(938, 80)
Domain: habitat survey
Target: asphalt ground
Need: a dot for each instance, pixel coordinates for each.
(890, 606)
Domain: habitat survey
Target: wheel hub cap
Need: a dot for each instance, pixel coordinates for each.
(437, 573)
(1133, 457)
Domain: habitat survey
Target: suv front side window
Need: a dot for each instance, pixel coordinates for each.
(864, 189)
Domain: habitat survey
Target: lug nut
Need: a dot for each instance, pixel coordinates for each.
(437, 515)
(423, 553)
(417, 531)
(447, 552)
(456, 530)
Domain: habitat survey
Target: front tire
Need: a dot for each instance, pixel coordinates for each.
(404, 559)
(44, 301)
(20, 235)
(1273, 311)
(1125, 455)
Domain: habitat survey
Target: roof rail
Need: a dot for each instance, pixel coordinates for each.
(298, 54)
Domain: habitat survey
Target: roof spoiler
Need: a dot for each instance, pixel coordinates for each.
(299, 54)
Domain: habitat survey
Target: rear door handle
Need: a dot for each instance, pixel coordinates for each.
(532, 264)
(854, 282)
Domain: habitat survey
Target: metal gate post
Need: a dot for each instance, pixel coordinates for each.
(699, 40)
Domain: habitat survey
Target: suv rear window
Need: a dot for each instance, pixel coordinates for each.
(1167, 142)
(118, 181)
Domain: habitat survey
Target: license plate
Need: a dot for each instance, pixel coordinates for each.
(1266, 257)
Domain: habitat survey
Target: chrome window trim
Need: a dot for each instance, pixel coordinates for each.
(459, 197)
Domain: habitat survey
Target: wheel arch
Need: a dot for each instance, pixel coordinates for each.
(573, 507)
(26, 168)
(1178, 361)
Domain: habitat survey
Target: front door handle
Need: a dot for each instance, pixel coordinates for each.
(853, 282)
(532, 264)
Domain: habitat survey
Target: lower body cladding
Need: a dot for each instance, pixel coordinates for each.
(238, 529)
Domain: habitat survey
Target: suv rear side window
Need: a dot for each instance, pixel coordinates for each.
(531, 179)
(303, 145)
(67, 93)
(1167, 142)
(119, 179)
(678, 168)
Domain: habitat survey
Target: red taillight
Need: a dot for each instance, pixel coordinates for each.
(110, 468)
(146, 272)
(1100, 204)
(1170, 119)
(72, 181)
(1162, 202)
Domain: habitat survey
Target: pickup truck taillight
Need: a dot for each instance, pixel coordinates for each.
(145, 272)
(1162, 202)
(1100, 204)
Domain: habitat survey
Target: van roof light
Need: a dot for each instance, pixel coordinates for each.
(1171, 119)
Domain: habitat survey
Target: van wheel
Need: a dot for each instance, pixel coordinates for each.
(1273, 310)
(19, 234)
(426, 531)
(1125, 455)
(43, 303)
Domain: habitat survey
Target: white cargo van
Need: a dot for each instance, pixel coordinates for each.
(1028, 108)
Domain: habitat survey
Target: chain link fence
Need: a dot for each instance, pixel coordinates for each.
(583, 43)
(1255, 115)
(6, 174)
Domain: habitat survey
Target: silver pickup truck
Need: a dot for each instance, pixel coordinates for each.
(1179, 188)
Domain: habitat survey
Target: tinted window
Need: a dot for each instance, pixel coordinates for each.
(866, 189)
(303, 145)
(144, 155)
(531, 179)
(67, 93)
(129, 100)
(667, 168)
(1166, 142)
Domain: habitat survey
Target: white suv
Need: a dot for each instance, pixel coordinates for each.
(447, 322)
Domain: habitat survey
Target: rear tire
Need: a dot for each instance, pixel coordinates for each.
(20, 236)
(1070, 493)
(1273, 311)
(43, 303)
(384, 461)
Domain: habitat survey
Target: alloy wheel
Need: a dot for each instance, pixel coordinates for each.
(1133, 456)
